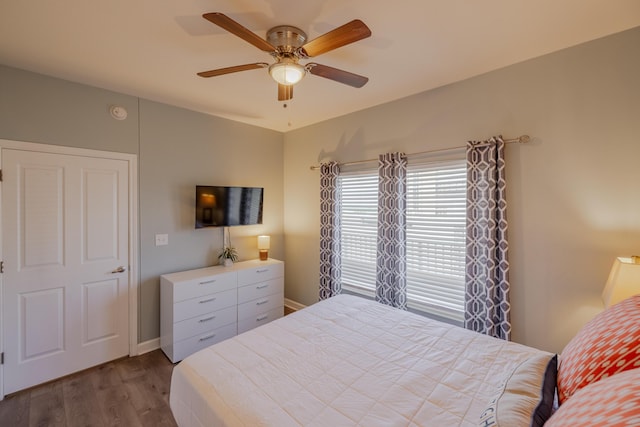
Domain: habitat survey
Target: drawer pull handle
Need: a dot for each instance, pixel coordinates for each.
(207, 337)
(261, 318)
(262, 271)
(208, 282)
(207, 300)
(262, 286)
(207, 319)
(262, 302)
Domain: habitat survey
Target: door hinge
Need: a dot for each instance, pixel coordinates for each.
(0, 175)
(1, 266)
(2, 358)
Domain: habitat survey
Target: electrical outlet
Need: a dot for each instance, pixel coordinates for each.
(162, 239)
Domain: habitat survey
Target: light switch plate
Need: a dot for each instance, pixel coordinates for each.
(162, 239)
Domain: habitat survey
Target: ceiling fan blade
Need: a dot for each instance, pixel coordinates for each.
(337, 75)
(341, 36)
(234, 69)
(233, 27)
(285, 92)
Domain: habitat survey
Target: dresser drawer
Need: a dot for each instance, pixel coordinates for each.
(201, 307)
(204, 304)
(206, 322)
(190, 345)
(203, 286)
(260, 273)
(260, 306)
(260, 319)
(259, 290)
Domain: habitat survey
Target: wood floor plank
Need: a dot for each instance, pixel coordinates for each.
(47, 406)
(162, 369)
(157, 361)
(128, 392)
(147, 392)
(14, 410)
(80, 402)
(105, 376)
(158, 417)
(113, 397)
(131, 367)
(116, 408)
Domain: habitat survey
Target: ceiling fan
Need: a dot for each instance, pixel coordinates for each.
(288, 45)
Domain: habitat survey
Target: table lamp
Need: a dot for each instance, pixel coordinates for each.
(263, 247)
(624, 280)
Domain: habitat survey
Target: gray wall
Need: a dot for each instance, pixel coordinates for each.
(573, 192)
(176, 149)
(179, 149)
(37, 108)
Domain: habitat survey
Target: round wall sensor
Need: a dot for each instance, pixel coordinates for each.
(117, 112)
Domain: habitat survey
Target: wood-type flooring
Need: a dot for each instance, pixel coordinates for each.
(131, 392)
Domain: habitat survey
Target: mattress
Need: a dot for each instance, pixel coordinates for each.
(345, 361)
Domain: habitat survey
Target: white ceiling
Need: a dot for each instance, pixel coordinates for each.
(154, 48)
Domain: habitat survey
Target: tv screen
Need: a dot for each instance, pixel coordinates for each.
(228, 206)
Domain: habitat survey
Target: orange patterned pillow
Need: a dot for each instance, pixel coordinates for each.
(611, 402)
(608, 344)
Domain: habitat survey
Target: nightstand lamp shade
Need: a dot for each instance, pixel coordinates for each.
(624, 280)
(264, 242)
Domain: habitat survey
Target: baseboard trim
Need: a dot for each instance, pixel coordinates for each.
(294, 305)
(147, 346)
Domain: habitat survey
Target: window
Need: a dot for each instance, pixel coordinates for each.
(436, 233)
(359, 231)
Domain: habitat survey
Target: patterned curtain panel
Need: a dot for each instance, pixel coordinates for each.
(391, 272)
(330, 252)
(487, 308)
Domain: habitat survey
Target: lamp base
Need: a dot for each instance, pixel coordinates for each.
(264, 254)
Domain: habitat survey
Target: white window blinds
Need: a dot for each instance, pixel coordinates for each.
(436, 234)
(359, 230)
(436, 227)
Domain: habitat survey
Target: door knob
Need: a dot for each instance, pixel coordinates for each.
(120, 269)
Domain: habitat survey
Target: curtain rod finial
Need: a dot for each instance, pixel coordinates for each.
(523, 139)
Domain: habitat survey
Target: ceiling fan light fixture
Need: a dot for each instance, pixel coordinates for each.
(287, 72)
(287, 45)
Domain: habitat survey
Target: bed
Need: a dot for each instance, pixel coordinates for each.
(348, 361)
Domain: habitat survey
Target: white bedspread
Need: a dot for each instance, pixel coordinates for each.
(345, 361)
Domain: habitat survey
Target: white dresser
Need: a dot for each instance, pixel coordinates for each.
(201, 307)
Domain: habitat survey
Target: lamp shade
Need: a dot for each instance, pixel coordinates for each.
(623, 282)
(264, 242)
(287, 72)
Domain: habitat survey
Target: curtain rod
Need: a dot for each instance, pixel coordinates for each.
(522, 139)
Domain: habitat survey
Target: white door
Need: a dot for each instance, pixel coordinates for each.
(65, 221)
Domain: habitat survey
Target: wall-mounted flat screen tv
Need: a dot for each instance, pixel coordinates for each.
(228, 206)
